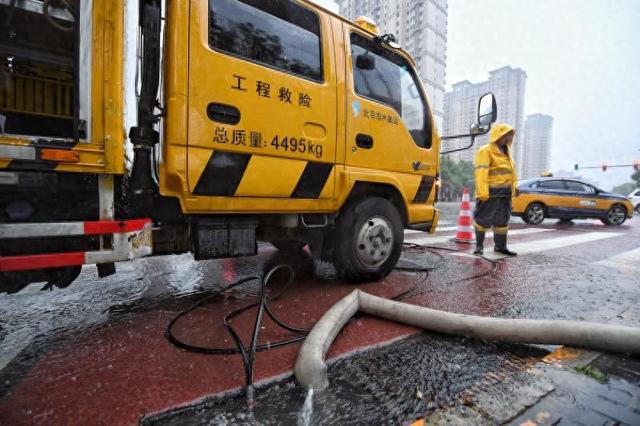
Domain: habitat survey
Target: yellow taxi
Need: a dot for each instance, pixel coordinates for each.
(567, 199)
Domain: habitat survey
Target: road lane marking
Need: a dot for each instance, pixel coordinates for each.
(447, 229)
(553, 243)
(447, 238)
(627, 258)
(463, 254)
(12, 345)
(438, 229)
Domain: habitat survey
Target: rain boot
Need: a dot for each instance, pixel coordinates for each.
(479, 243)
(501, 245)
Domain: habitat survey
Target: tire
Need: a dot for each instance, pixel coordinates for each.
(289, 245)
(300, 261)
(13, 282)
(637, 209)
(63, 277)
(369, 238)
(535, 213)
(616, 216)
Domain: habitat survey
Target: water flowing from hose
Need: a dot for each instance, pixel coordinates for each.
(305, 415)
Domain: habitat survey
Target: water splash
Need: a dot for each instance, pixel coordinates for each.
(305, 415)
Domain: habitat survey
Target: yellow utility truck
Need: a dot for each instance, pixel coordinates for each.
(132, 128)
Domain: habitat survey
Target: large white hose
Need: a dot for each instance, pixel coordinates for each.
(311, 369)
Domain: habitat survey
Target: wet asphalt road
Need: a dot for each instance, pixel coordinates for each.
(442, 378)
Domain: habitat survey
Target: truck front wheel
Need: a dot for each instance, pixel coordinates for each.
(368, 241)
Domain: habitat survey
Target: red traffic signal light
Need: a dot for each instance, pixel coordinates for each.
(604, 167)
(636, 165)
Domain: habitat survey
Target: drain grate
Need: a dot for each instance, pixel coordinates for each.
(388, 385)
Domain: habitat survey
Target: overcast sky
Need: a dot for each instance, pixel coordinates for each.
(582, 59)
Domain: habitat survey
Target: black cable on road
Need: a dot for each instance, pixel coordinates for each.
(248, 354)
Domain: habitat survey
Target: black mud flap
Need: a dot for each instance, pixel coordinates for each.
(222, 237)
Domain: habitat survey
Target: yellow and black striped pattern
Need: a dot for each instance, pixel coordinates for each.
(235, 174)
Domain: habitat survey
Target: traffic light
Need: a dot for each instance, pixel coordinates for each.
(575, 167)
(636, 165)
(604, 167)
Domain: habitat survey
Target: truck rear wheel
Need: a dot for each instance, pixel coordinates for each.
(368, 241)
(13, 282)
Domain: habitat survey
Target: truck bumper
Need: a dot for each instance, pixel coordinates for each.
(429, 227)
(130, 239)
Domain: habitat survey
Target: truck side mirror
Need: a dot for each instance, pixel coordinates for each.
(365, 62)
(487, 110)
(487, 115)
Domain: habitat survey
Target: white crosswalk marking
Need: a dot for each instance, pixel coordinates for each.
(446, 238)
(439, 229)
(446, 229)
(553, 243)
(628, 258)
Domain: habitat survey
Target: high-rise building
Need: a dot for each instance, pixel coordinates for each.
(461, 110)
(537, 145)
(420, 26)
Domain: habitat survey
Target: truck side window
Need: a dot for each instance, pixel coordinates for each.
(278, 33)
(385, 76)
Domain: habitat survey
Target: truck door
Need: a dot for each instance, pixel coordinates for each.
(262, 100)
(389, 124)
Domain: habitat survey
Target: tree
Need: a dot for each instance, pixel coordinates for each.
(636, 178)
(624, 189)
(455, 176)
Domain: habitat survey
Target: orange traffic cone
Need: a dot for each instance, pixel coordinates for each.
(464, 233)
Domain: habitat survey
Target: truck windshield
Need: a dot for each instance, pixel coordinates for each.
(391, 80)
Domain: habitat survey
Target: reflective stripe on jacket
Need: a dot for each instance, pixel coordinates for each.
(495, 171)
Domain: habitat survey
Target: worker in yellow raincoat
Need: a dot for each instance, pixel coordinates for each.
(495, 185)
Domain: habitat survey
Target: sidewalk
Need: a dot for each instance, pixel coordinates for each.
(553, 392)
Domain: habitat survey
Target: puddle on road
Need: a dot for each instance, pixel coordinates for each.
(579, 399)
(389, 385)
